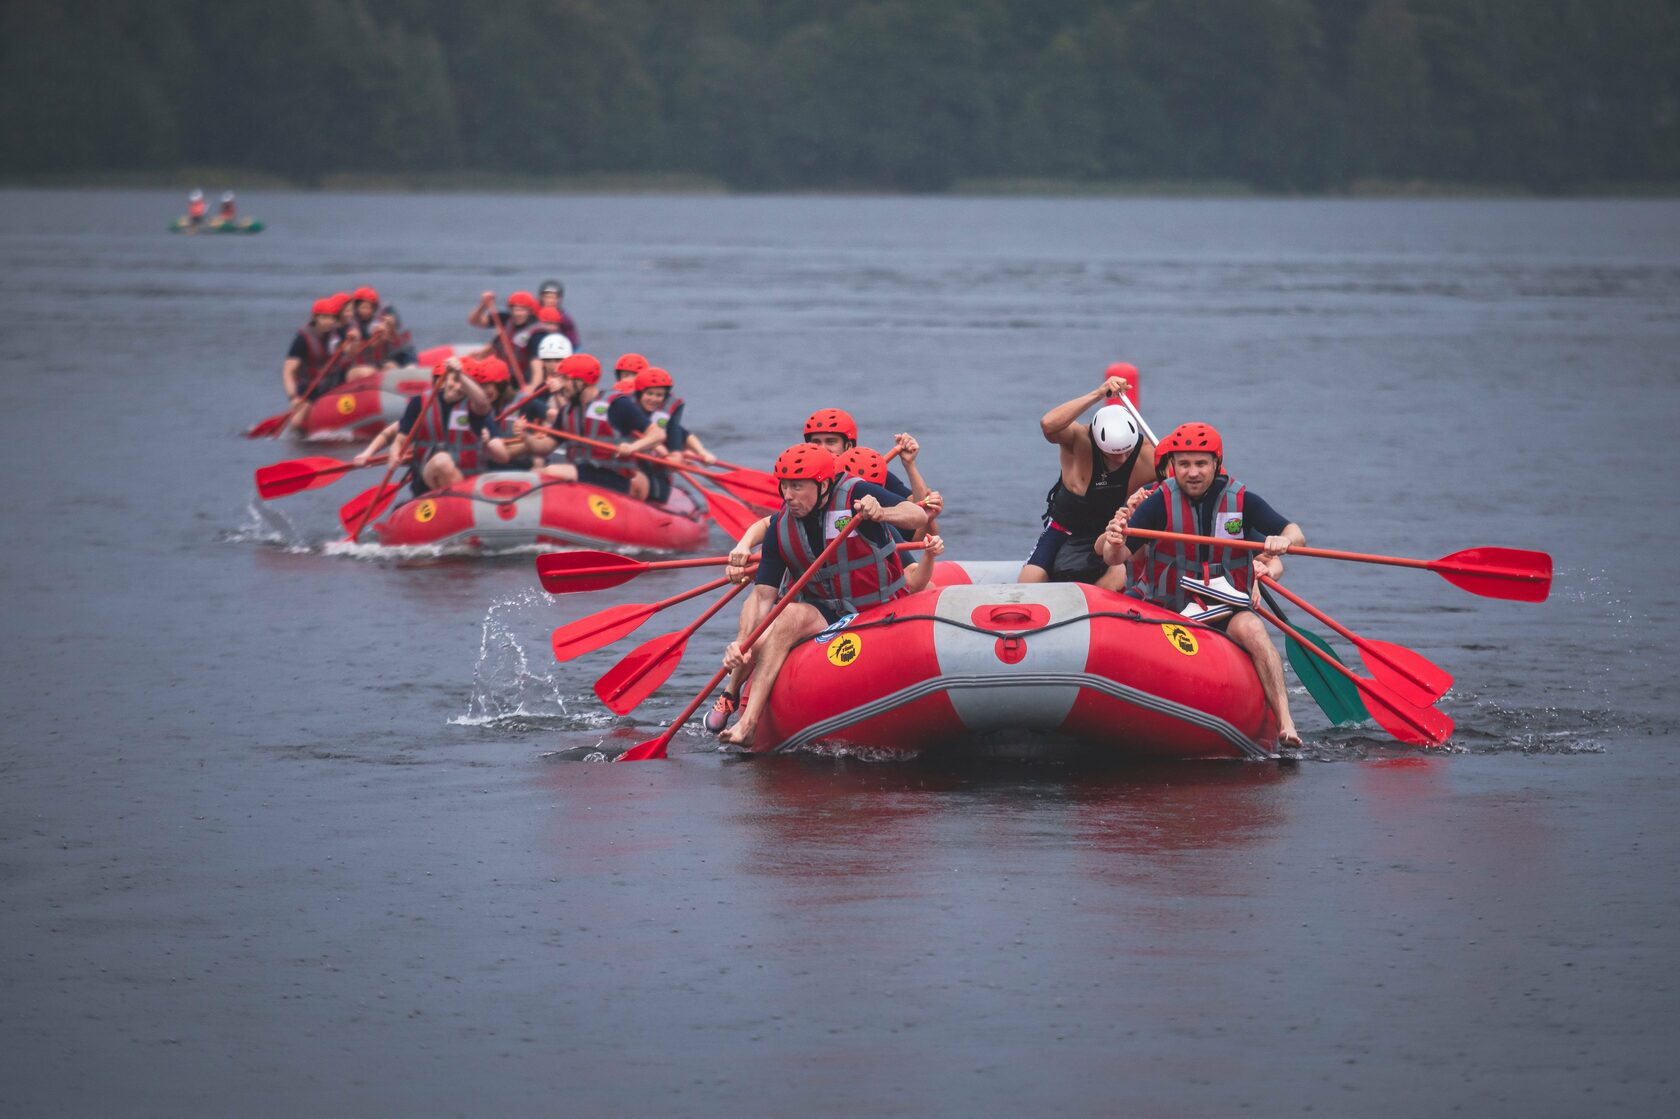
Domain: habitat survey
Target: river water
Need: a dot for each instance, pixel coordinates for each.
(285, 829)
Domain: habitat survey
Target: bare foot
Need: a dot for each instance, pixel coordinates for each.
(1288, 737)
(740, 734)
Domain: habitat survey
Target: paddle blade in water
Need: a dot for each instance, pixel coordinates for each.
(296, 475)
(367, 505)
(1509, 573)
(1419, 726)
(570, 572)
(1334, 693)
(623, 687)
(1412, 677)
(650, 750)
(599, 630)
(267, 429)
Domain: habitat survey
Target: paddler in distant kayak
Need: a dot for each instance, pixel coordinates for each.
(817, 501)
(1199, 497)
(196, 209)
(1102, 464)
(458, 434)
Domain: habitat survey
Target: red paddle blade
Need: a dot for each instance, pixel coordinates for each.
(296, 475)
(569, 572)
(752, 487)
(1509, 573)
(623, 687)
(645, 751)
(1418, 726)
(265, 429)
(368, 504)
(1412, 677)
(731, 516)
(598, 630)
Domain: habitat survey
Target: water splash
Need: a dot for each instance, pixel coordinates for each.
(516, 683)
(266, 524)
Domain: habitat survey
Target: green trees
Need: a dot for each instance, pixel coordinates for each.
(867, 94)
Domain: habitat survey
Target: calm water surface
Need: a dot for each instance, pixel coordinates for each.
(288, 830)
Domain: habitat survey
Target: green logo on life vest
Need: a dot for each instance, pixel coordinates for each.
(841, 523)
(1233, 526)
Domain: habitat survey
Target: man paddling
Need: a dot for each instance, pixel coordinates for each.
(516, 324)
(458, 433)
(834, 430)
(1102, 464)
(1199, 497)
(585, 414)
(816, 504)
(310, 353)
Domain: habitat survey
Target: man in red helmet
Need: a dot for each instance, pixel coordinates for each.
(309, 369)
(586, 413)
(836, 432)
(458, 436)
(518, 323)
(1102, 464)
(817, 502)
(1199, 497)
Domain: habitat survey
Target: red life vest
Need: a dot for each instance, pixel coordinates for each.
(861, 574)
(1170, 560)
(454, 436)
(590, 421)
(320, 354)
(195, 208)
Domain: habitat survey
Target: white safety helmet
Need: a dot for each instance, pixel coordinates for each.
(554, 347)
(1115, 431)
(196, 194)
(227, 196)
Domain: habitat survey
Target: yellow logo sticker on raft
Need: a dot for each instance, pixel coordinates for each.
(425, 511)
(1181, 637)
(601, 507)
(844, 650)
(346, 405)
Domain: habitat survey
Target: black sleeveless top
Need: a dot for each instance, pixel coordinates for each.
(1088, 514)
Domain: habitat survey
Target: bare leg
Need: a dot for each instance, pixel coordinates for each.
(797, 622)
(639, 486)
(1116, 579)
(1246, 630)
(560, 471)
(441, 471)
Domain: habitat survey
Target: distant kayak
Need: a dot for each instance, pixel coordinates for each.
(242, 225)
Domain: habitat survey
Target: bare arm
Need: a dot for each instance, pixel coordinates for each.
(1057, 422)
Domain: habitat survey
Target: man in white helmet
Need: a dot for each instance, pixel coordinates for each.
(1102, 464)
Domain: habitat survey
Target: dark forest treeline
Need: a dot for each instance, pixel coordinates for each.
(902, 94)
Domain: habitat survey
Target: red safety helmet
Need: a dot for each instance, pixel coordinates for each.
(548, 314)
(523, 299)
(337, 300)
(1193, 438)
(581, 367)
(864, 463)
(488, 371)
(323, 307)
(653, 377)
(630, 363)
(831, 421)
(366, 295)
(805, 462)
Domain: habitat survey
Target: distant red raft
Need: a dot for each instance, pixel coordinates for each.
(510, 509)
(955, 665)
(360, 409)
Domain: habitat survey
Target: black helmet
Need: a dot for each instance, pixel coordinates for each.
(555, 286)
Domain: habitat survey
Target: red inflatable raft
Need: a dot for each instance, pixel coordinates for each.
(361, 408)
(514, 508)
(962, 662)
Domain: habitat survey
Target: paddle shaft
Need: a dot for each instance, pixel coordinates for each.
(331, 364)
(656, 748)
(1331, 553)
(600, 446)
(507, 343)
(1366, 648)
(396, 460)
(668, 565)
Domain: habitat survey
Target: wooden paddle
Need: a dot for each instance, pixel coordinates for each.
(623, 686)
(1508, 573)
(1419, 680)
(1419, 726)
(655, 747)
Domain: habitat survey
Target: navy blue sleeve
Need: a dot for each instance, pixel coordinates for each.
(485, 427)
(897, 485)
(1260, 518)
(770, 565)
(676, 435)
(300, 348)
(536, 408)
(874, 531)
(1151, 514)
(411, 414)
(627, 417)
